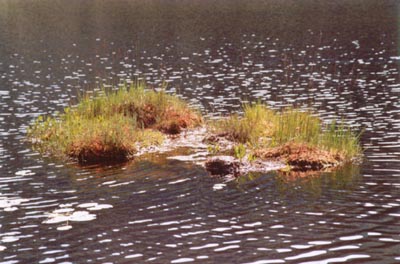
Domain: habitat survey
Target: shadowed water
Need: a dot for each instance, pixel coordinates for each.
(340, 58)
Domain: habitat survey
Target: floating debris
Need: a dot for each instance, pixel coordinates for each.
(10, 204)
(66, 214)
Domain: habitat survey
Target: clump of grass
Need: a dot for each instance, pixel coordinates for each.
(88, 140)
(255, 124)
(239, 151)
(112, 125)
(150, 109)
(341, 139)
(264, 129)
(295, 125)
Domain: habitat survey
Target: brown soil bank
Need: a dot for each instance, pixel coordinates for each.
(290, 158)
(301, 157)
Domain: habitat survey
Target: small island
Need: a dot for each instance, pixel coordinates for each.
(117, 125)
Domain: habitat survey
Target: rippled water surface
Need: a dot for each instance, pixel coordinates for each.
(340, 58)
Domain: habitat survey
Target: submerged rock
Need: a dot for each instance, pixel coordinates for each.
(230, 166)
(223, 166)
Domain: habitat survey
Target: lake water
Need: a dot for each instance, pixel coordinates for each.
(340, 58)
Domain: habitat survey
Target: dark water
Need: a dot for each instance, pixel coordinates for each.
(340, 58)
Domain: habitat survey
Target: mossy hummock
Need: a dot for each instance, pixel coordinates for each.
(112, 125)
(292, 136)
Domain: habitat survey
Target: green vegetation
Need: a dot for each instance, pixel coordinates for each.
(112, 125)
(256, 123)
(239, 151)
(291, 135)
(213, 149)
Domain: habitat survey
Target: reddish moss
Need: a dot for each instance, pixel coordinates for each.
(174, 120)
(147, 115)
(97, 151)
(170, 120)
(301, 157)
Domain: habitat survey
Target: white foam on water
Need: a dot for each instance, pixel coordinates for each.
(24, 173)
(9, 239)
(56, 218)
(182, 260)
(100, 207)
(86, 205)
(307, 255)
(210, 245)
(81, 216)
(267, 261)
(226, 248)
(133, 256)
(218, 186)
(347, 238)
(64, 228)
(339, 259)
